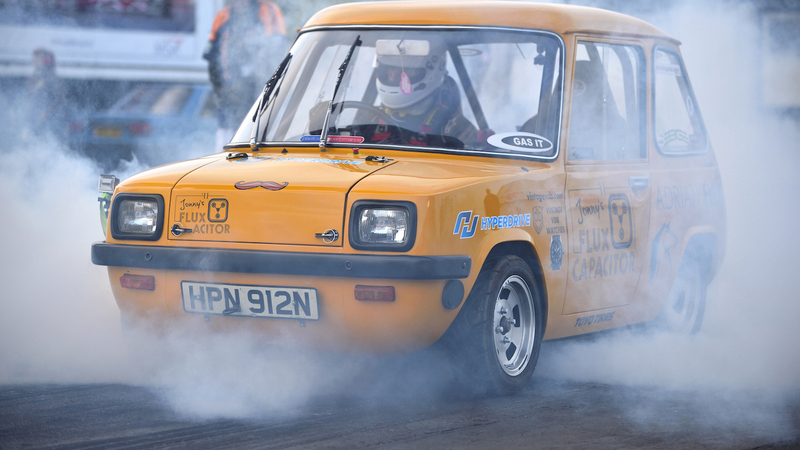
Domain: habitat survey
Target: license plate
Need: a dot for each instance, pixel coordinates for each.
(250, 301)
(108, 132)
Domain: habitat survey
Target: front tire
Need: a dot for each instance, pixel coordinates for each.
(496, 337)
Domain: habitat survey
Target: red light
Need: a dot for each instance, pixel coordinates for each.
(139, 128)
(77, 126)
(374, 293)
(143, 282)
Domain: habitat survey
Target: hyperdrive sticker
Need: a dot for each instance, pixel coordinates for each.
(521, 142)
(467, 223)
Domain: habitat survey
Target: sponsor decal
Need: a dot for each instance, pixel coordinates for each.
(659, 253)
(538, 219)
(556, 252)
(705, 195)
(521, 142)
(545, 196)
(318, 160)
(202, 214)
(467, 223)
(673, 138)
(251, 159)
(555, 221)
(268, 185)
(619, 211)
(602, 234)
(597, 318)
(217, 210)
(335, 139)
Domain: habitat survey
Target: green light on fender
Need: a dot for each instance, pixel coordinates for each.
(105, 202)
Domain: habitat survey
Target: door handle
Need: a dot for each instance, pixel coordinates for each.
(639, 183)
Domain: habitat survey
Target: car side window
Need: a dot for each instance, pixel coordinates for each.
(608, 103)
(678, 125)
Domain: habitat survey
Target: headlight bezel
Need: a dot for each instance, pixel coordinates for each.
(411, 231)
(114, 224)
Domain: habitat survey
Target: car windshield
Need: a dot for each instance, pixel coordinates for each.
(476, 91)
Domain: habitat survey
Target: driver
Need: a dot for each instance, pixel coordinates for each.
(419, 96)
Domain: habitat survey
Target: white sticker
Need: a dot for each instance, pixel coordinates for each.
(521, 142)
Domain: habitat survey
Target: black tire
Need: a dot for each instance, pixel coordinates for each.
(494, 341)
(685, 305)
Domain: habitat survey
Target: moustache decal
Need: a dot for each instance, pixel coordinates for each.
(268, 185)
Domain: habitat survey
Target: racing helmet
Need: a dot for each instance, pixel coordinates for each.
(425, 72)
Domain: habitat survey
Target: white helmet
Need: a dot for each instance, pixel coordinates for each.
(425, 74)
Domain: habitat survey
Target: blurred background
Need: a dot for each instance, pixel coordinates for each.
(128, 75)
(117, 79)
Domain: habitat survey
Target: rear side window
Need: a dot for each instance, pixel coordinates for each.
(608, 109)
(678, 126)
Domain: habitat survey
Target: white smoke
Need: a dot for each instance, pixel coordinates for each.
(59, 322)
(745, 363)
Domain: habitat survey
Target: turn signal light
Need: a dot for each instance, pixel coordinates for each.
(143, 282)
(374, 293)
(139, 128)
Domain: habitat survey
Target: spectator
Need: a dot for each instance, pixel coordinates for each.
(46, 96)
(246, 44)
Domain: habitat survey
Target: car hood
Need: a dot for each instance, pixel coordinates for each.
(266, 199)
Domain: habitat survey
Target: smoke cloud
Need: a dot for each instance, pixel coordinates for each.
(744, 365)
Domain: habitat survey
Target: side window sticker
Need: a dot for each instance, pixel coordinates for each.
(678, 126)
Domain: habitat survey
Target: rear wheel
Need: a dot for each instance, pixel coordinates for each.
(683, 311)
(496, 336)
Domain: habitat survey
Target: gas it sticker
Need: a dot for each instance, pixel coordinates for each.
(521, 142)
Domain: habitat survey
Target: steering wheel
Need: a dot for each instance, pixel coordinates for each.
(368, 130)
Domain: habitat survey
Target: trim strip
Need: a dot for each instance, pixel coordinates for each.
(396, 267)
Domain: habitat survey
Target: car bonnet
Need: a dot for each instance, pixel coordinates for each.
(266, 199)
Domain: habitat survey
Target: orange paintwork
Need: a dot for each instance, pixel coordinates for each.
(684, 194)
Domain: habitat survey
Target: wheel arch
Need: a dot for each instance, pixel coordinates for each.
(527, 252)
(700, 247)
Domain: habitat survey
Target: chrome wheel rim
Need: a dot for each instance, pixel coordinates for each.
(514, 325)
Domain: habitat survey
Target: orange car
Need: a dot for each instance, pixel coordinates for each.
(486, 175)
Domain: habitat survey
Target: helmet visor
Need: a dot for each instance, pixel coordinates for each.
(390, 75)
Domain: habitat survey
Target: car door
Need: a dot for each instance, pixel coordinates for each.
(608, 189)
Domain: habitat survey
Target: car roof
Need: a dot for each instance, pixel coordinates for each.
(562, 19)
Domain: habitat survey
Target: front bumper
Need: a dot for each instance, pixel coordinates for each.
(395, 267)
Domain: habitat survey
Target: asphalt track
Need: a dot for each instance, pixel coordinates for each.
(551, 413)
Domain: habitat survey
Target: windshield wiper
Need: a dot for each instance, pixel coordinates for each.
(262, 104)
(324, 135)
